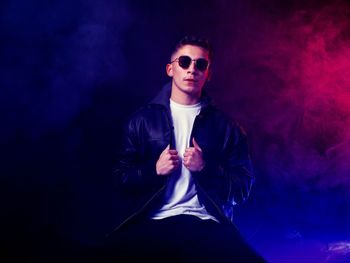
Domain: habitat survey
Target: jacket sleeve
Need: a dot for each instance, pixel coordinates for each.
(237, 165)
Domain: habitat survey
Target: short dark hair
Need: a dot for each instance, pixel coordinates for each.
(195, 41)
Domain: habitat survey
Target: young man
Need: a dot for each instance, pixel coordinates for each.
(184, 165)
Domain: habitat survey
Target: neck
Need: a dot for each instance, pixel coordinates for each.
(184, 98)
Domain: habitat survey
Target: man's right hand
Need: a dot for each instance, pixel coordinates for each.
(168, 161)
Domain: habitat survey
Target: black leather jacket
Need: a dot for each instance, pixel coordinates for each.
(225, 180)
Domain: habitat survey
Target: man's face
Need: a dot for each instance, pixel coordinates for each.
(189, 81)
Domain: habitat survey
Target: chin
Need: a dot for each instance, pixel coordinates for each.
(192, 86)
(189, 88)
(192, 91)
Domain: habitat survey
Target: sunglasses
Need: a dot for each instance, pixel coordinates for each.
(185, 62)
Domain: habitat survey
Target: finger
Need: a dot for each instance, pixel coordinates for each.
(187, 162)
(196, 144)
(168, 153)
(172, 164)
(174, 157)
(169, 156)
(187, 154)
(165, 150)
(173, 152)
(190, 149)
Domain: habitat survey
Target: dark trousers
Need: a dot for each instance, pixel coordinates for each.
(183, 238)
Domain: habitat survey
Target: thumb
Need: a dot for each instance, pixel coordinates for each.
(165, 150)
(195, 144)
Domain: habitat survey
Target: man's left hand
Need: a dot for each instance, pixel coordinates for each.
(193, 158)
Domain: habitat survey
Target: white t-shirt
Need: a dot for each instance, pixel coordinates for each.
(181, 194)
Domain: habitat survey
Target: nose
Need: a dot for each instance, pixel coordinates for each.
(192, 68)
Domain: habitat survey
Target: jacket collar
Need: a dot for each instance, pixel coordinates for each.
(162, 98)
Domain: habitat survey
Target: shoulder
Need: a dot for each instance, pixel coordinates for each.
(145, 113)
(231, 124)
(223, 116)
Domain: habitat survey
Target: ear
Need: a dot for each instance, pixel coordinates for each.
(169, 70)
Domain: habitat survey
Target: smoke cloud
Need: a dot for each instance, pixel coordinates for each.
(293, 90)
(55, 56)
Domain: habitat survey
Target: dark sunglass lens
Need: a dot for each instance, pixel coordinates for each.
(185, 61)
(202, 64)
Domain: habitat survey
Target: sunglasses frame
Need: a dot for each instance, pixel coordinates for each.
(190, 60)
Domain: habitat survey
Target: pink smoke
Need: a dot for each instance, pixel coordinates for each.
(300, 92)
